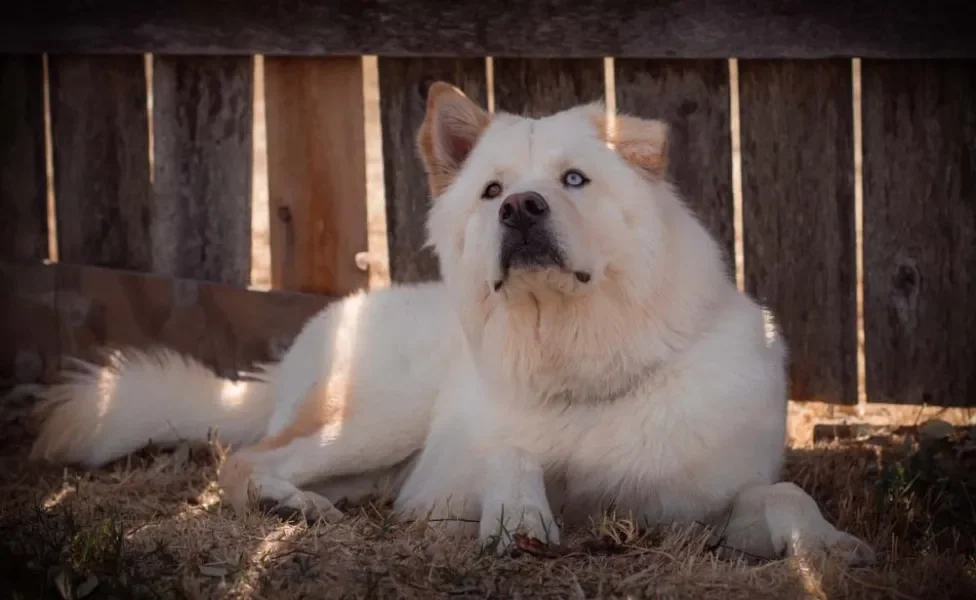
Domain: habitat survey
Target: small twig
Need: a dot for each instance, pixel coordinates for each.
(458, 520)
(291, 552)
(463, 591)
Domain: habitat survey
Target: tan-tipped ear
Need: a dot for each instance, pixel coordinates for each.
(641, 142)
(451, 128)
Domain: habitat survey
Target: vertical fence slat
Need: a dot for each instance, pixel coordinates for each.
(27, 335)
(23, 202)
(798, 216)
(202, 121)
(537, 87)
(100, 137)
(316, 173)
(403, 90)
(692, 96)
(920, 231)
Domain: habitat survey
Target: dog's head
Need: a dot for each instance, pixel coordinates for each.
(540, 205)
(565, 223)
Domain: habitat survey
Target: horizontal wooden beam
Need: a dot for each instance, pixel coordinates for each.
(474, 28)
(49, 311)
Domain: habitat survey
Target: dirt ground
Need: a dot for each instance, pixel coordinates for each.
(153, 526)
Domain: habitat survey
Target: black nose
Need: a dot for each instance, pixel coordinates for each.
(523, 210)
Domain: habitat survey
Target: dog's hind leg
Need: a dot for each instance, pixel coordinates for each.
(773, 520)
(375, 486)
(279, 469)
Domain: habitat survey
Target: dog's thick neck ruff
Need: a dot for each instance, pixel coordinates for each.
(587, 345)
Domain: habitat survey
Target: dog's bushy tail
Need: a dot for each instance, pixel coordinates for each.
(100, 413)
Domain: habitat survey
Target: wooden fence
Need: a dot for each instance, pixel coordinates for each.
(154, 243)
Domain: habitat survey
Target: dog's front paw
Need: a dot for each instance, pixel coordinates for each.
(500, 525)
(834, 542)
(851, 549)
(796, 525)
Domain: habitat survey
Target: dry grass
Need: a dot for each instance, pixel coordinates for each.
(153, 526)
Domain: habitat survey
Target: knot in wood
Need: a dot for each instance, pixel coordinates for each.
(906, 280)
(284, 214)
(905, 283)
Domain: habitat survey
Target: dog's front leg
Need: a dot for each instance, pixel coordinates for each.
(514, 500)
(778, 519)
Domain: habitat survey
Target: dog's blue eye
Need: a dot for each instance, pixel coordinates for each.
(492, 190)
(574, 178)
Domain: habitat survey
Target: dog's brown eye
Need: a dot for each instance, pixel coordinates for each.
(574, 179)
(493, 190)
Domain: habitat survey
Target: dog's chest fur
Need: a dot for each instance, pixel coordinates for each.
(631, 453)
(676, 447)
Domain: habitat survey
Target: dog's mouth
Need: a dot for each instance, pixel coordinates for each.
(533, 250)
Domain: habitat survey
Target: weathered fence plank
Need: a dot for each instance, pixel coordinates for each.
(537, 87)
(920, 231)
(692, 96)
(403, 93)
(475, 28)
(100, 136)
(23, 186)
(202, 116)
(316, 173)
(49, 311)
(798, 216)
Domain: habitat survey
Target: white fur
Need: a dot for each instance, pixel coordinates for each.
(99, 414)
(656, 387)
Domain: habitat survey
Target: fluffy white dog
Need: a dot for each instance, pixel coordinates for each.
(585, 350)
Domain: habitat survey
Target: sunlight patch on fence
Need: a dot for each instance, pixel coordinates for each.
(736, 137)
(862, 394)
(52, 223)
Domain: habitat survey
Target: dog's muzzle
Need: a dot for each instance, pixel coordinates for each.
(527, 242)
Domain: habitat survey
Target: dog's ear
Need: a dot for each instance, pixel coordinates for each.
(641, 142)
(451, 128)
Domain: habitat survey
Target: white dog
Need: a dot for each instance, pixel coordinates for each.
(586, 350)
